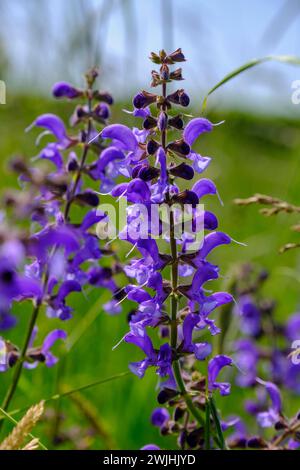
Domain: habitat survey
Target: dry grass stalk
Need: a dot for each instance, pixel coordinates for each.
(20, 432)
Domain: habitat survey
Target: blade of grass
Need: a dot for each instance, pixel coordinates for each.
(57, 396)
(85, 323)
(292, 60)
(217, 422)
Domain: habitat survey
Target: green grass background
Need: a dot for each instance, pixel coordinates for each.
(250, 154)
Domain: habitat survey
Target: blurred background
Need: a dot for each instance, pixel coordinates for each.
(256, 150)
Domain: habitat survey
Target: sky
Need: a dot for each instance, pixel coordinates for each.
(50, 41)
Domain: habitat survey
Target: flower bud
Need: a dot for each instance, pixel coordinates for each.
(148, 173)
(87, 198)
(184, 99)
(65, 90)
(180, 147)
(176, 75)
(101, 111)
(103, 96)
(183, 171)
(149, 123)
(165, 395)
(177, 56)
(164, 72)
(143, 99)
(186, 197)
(176, 122)
(152, 147)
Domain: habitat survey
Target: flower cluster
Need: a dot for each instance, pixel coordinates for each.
(265, 343)
(57, 253)
(169, 287)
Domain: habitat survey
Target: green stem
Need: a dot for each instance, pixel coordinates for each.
(174, 301)
(19, 366)
(207, 426)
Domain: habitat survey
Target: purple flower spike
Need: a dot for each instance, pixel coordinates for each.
(122, 135)
(159, 417)
(268, 418)
(65, 90)
(195, 128)
(215, 365)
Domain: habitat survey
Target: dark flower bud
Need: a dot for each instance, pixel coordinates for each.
(180, 147)
(174, 97)
(148, 173)
(152, 147)
(72, 163)
(194, 438)
(179, 413)
(137, 168)
(186, 197)
(101, 111)
(162, 121)
(13, 357)
(18, 165)
(80, 113)
(57, 185)
(165, 395)
(239, 443)
(155, 58)
(184, 99)
(280, 425)
(183, 171)
(103, 96)
(120, 294)
(179, 97)
(36, 355)
(143, 99)
(91, 76)
(256, 442)
(156, 80)
(176, 122)
(177, 56)
(176, 75)
(164, 72)
(87, 198)
(164, 331)
(149, 123)
(65, 90)
(130, 315)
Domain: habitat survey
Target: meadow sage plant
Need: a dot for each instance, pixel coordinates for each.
(58, 253)
(169, 277)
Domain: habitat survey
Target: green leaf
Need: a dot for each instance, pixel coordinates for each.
(292, 60)
(217, 422)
